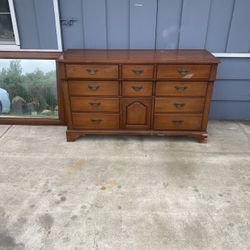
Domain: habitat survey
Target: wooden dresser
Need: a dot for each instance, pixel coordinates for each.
(137, 92)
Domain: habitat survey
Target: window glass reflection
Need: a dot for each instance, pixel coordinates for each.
(6, 30)
(4, 6)
(28, 88)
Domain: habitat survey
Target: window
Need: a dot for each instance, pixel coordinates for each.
(28, 88)
(8, 27)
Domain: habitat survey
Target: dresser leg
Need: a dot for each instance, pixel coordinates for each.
(72, 136)
(201, 138)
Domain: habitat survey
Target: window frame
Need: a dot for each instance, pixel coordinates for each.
(16, 44)
(14, 51)
(37, 121)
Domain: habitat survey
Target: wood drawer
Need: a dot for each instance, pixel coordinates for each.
(93, 88)
(177, 122)
(179, 105)
(95, 121)
(137, 88)
(88, 104)
(91, 71)
(181, 88)
(137, 71)
(183, 72)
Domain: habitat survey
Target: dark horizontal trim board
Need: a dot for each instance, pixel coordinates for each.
(30, 121)
(28, 55)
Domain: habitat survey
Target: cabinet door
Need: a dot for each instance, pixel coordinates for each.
(136, 113)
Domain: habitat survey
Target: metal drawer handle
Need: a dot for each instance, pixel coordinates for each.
(92, 71)
(93, 87)
(179, 105)
(183, 71)
(181, 88)
(94, 104)
(96, 121)
(177, 122)
(137, 71)
(137, 88)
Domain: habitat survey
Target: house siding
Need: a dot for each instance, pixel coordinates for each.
(36, 24)
(216, 25)
(231, 96)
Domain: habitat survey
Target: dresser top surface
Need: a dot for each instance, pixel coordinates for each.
(138, 56)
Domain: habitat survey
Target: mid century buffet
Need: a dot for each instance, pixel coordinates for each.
(137, 92)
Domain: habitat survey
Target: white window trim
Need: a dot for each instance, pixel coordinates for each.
(16, 46)
(58, 26)
(14, 22)
(232, 55)
(9, 47)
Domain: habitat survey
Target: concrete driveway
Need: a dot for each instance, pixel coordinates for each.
(124, 193)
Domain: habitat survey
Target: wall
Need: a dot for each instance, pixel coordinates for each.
(216, 25)
(36, 24)
(231, 97)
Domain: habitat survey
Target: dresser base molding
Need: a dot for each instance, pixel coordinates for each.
(199, 136)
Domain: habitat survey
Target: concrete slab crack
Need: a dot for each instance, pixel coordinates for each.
(6, 131)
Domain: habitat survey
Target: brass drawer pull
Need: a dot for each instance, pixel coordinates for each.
(177, 122)
(96, 121)
(181, 88)
(183, 72)
(93, 87)
(179, 105)
(137, 88)
(92, 71)
(137, 71)
(94, 104)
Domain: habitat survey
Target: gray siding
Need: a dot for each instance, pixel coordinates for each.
(234, 68)
(142, 21)
(231, 96)
(168, 24)
(94, 24)
(239, 35)
(226, 110)
(36, 24)
(117, 24)
(217, 25)
(194, 24)
(73, 36)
